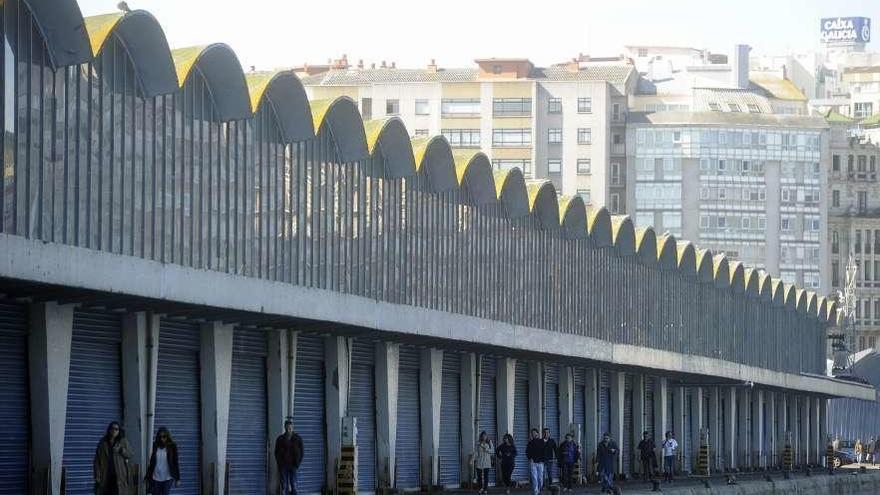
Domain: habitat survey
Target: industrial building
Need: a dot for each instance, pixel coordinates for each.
(186, 245)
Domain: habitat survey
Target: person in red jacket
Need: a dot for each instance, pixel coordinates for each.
(288, 455)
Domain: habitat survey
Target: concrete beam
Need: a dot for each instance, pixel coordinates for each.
(618, 381)
(216, 380)
(140, 343)
(280, 388)
(338, 373)
(469, 385)
(505, 381)
(696, 425)
(387, 366)
(430, 388)
(49, 343)
(758, 457)
(566, 398)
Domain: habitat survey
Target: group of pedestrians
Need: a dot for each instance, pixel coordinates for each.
(866, 452)
(648, 457)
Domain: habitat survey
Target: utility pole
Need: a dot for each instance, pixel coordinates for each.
(844, 343)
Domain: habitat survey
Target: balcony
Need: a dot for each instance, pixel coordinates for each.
(618, 149)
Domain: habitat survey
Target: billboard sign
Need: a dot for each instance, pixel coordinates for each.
(846, 29)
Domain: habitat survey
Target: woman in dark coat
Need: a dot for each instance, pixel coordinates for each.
(164, 469)
(507, 454)
(112, 476)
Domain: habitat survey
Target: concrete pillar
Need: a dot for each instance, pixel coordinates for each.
(730, 428)
(387, 364)
(337, 374)
(618, 381)
(758, 453)
(772, 441)
(791, 424)
(430, 388)
(280, 388)
(505, 381)
(49, 341)
(817, 444)
(140, 343)
(714, 426)
(696, 414)
(566, 397)
(678, 424)
(804, 440)
(638, 417)
(469, 366)
(215, 355)
(743, 437)
(536, 395)
(661, 411)
(591, 411)
(823, 427)
(781, 425)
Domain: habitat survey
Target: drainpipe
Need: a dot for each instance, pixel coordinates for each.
(152, 357)
(291, 371)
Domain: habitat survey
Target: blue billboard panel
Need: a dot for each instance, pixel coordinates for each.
(845, 29)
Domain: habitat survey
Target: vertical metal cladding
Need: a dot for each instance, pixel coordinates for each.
(90, 159)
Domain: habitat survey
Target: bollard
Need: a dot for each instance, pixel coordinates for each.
(703, 457)
(787, 454)
(829, 456)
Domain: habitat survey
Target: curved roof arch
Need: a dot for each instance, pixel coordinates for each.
(686, 258)
(801, 301)
(60, 22)
(510, 189)
(737, 277)
(750, 281)
(285, 93)
(646, 245)
(599, 226)
(667, 252)
(222, 71)
(721, 271)
(144, 40)
(789, 296)
(344, 122)
(543, 203)
(812, 302)
(822, 308)
(778, 292)
(839, 318)
(831, 315)
(765, 287)
(433, 157)
(705, 265)
(573, 217)
(623, 235)
(391, 136)
(474, 174)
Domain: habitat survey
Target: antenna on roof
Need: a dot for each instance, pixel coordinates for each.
(123, 6)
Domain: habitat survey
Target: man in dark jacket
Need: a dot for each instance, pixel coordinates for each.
(647, 456)
(549, 456)
(535, 455)
(568, 456)
(606, 455)
(288, 455)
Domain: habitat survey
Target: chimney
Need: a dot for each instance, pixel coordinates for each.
(573, 65)
(383, 66)
(373, 65)
(739, 66)
(432, 67)
(360, 65)
(393, 65)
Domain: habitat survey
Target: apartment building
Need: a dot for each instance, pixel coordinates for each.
(566, 122)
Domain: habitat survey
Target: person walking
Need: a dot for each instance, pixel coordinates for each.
(483, 461)
(875, 451)
(646, 455)
(507, 455)
(835, 444)
(859, 450)
(869, 451)
(112, 474)
(164, 469)
(289, 451)
(535, 454)
(550, 450)
(670, 446)
(606, 456)
(569, 453)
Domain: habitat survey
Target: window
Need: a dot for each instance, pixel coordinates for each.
(554, 166)
(496, 69)
(786, 224)
(615, 111)
(850, 160)
(423, 107)
(722, 165)
(585, 195)
(584, 166)
(502, 138)
(392, 107)
(862, 110)
(643, 52)
(857, 246)
(835, 163)
(554, 136)
(644, 218)
(877, 241)
(722, 222)
(704, 221)
(863, 201)
(835, 274)
(616, 138)
(525, 165)
(615, 203)
(462, 138)
(585, 135)
(615, 173)
(863, 163)
(367, 108)
(671, 220)
(704, 193)
(462, 107)
(554, 105)
(835, 198)
(753, 108)
(421, 132)
(814, 224)
(585, 105)
(714, 106)
(734, 107)
(512, 107)
(835, 242)
(722, 193)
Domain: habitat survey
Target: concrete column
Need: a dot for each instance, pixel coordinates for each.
(715, 440)
(817, 444)
(387, 364)
(730, 428)
(679, 399)
(823, 427)
(280, 387)
(804, 440)
(661, 411)
(743, 438)
(215, 356)
(638, 417)
(505, 381)
(430, 388)
(337, 374)
(618, 381)
(536, 395)
(49, 341)
(772, 441)
(792, 426)
(140, 341)
(757, 423)
(566, 396)
(781, 425)
(469, 366)
(591, 411)
(696, 415)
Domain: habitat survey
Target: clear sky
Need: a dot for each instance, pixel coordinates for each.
(277, 33)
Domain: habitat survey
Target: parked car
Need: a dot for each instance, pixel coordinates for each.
(844, 456)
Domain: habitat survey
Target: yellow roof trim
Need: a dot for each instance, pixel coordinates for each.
(463, 159)
(373, 131)
(681, 249)
(184, 60)
(257, 83)
(99, 27)
(420, 148)
(534, 188)
(500, 177)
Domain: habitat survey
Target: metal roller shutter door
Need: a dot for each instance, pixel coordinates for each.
(450, 421)
(627, 455)
(649, 406)
(94, 394)
(14, 399)
(604, 403)
(578, 407)
(551, 409)
(722, 442)
(487, 420)
(688, 452)
(308, 412)
(521, 419)
(407, 450)
(178, 397)
(362, 405)
(246, 449)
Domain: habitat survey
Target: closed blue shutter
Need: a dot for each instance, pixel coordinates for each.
(551, 409)
(578, 407)
(308, 412)
(627, 443)
(487, 421)
(14, 399)
(688, 438)
(94, 394)
(649, 406)
(604, 403)
(722, 442)
(246, 448)
(408, 450)
(178, 397)
(450, 421)
(521, 419)
(362, 405)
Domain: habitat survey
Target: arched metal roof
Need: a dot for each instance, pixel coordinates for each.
(623, 235)
(721, 270)
(474, 173)
(686, 258)
(434, 156)
(599, 226)
(750, 279)
(812, 302)
(344, 122)
(801, 301)
(285, 93)
(222, 71)
(737, 277)
(831, 316)
(391, 136)
(542, 202)
(765, 287)
(573, 217)
(144, 40)
(646, 245)
(822, 308)
(778, 292)
(510, 189)
(789, 294)
(667, 252)
(61, 24)
(705, 266)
